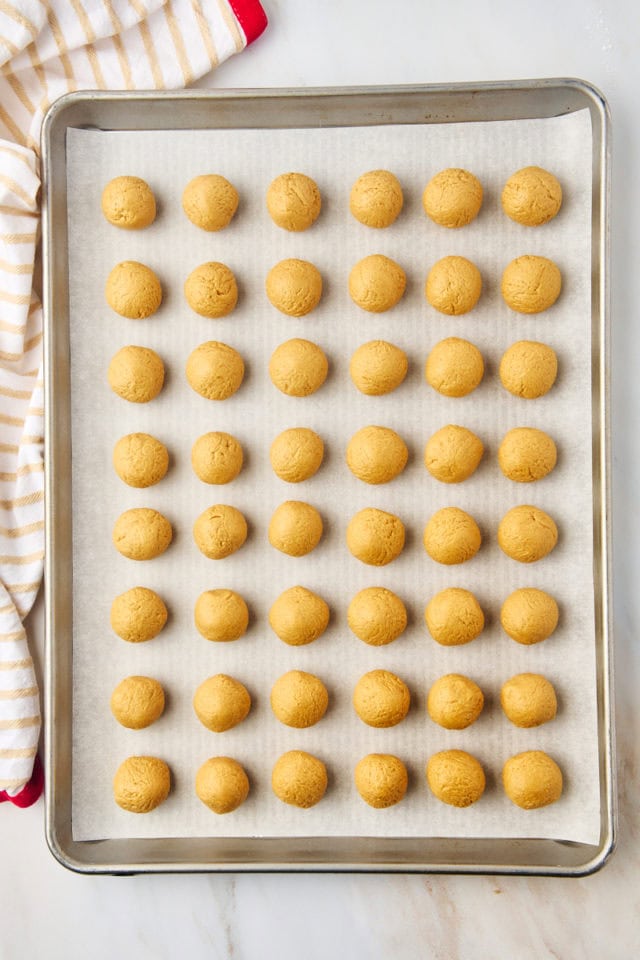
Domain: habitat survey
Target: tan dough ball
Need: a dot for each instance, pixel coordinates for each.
(133, 290)
(219, 531)
(210, 201)
(452, 536)
(528, 700)
(375, 537)
(527, 534)
(141, 533)
(528, 369)
(298, 367)
(138, 615)
(455, 702)
(452, 198)
(221, 615)
(217, 457)
(377, 283)
(381, 699)
(453, 286)
(529, 615)
(532, 196)
(136, 374)
(455, 777)
(299, 616)
(293, 201)
(454, 367)
(215, 370)
(294, 287)
(137, 702)
(453, 453)
(376, 198)
(376, 454)
(211, 290)
(221, 702)
(296, 454)
(377, 616)
(531, 284)
(222, 784)
(299, 699)
(141, 784)
(140, 460)
(378, 367)
(454, 617)
(300, 779)
(295, 528)
(129, 203)
(532, 779)
(527, 454)
(381, 780)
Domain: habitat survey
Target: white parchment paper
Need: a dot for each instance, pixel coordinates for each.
(180, 658)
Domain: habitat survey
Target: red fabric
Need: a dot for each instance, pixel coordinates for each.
(30, 793)
(250, 16)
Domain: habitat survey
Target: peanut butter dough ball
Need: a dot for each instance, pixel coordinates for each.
(140, 460)
(529, 615)
(295, 528)
(221, 702)
(141, 784)
(381, 780)
(210, 201)
(452, 536)
(454, 367)
(377, 616)
(528, 369)
(296, 454)
(294, 201)
(378, 367)
(454, 617)
(300, 779)
(138, 615)
(376, 454)
(532, 196)
(527, 534)
(299, 616)
(377, 283)
(294, 287)
(219, 531)
(221, 615)
(133, 290)
(129, 203)
(375, 537)
(136, 374)
(532, 779)
(531, 284)
(298, 367)
(215, 370)
(376, 198)
(222, 784)
(137, 702)
(141, 533)
(299, 699)
(217, 457)
(381, 699)
(527, 454)
(452, 198)
(455, 777)
(455, 702)
(453, 286)
(453, 453)
(528, 700)
(211, 290)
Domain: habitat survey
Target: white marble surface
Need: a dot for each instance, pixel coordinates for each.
(46, 911)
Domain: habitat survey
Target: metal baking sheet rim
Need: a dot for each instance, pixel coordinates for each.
(434, 103)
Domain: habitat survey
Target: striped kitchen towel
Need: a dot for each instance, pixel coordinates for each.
(48, 48)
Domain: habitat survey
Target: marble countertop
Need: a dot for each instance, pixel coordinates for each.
(47, 911)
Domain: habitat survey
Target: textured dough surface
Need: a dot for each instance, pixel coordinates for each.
(381, 699)
(295, 528)
(294, 201)
(452, 198)
(222, 784)
(211, 290)
(210, 201)
(532, 196)
(136, 374)
(381, 780)
(376, 198)
(299, 778)
(454, 617)
(140, 460)
(532, 779)
(531, 284)
(455, 777)
(528, 369)
(377, 616)
(453, 453)
(221, 702)
(294, 287)
(453, 286)
(377, 283)
(375, 536)
(141, 533)
(452, 536)
(138, 614)
(298, 367)
(215, 370)
(299, 699)
(376, 454)
(455, 702)
(378, 367)
(299, 616)
(221, 615)
(296, 454)
(528, 700)
(217, 457)
(527, 454)
(133, 290)
(219, 531)
(129, 203)
(529, 615)
(527, 534)
(137, 702)
(454, 367)
(141, 784)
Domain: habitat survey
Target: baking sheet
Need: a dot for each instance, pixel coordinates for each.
(179, 657)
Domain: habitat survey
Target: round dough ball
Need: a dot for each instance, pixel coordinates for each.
(452, 454)
(221, 702)
(138, 615)
(529, 615)
(219, 531)
(531, 284)
(528, 700)
(452, 536)
(300, 779)
(381, 699)
(210, 201)
(453, 286)
(528, 369)
(141, 784)
(454, 617)
(299, 616)
(375, 537)
(532, 779)
(378, 367)
(377, 616)
(215, 370)
(455, 702)
(452, 198)
(221, 615)
(527, 534)
(136, 374)
(376, 198)
(294, 287)
(527, 454)
(296, 454)
(137, 702)
(140, 460)
(295, 528)
(381, 780)
(377, 283)
(454, 367)
(455, 777)
(129, 203)
(211, 290)
(217, 457)
(532, 196)
(142, 533)
(376, 454)
(133, 290)
(299, 699)
(293, 201)
(298, 367)
(222, 784)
